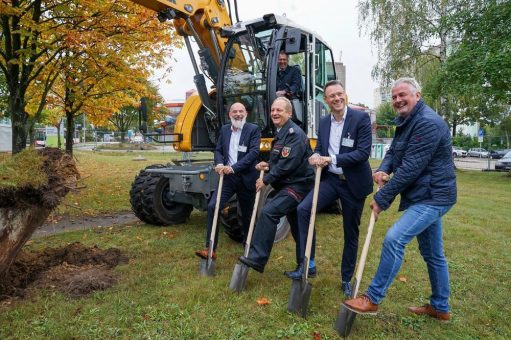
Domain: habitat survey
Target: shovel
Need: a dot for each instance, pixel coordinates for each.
(207, 266)
(300, 293)
(346, 317)
(240, 272)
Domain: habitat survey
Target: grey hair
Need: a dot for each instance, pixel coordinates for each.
(414, 85)
(288, 106)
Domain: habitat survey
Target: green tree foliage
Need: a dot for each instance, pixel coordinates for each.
(126, 118)
(479, 69)
(414, 38)
(385, 115)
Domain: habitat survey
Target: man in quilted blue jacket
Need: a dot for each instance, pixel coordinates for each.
(423, 173)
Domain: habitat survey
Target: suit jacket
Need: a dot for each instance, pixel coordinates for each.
(353, 160)
(245, 166)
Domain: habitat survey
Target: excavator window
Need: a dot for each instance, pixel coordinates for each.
(245, 75)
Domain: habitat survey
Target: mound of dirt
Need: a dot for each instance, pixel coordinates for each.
(75, 270)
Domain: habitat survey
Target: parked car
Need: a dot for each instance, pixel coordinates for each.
(458, 152)
(477, 152)
(504, 163)
(498, 154)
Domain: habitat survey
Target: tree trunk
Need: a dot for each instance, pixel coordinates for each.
(70, 132)
(59, 141)
(454, 126)
(16, 228)
(19, 121)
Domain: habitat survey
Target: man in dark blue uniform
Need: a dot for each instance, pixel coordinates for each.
(289, 85)
(343, 148)
(235, 156)
(289, 79)
(291, 177)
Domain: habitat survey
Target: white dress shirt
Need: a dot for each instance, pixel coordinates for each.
(234, 145)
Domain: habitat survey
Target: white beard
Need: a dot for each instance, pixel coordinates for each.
(238, 124)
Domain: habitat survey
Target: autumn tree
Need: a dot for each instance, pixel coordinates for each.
(124, 119)
(94, 49)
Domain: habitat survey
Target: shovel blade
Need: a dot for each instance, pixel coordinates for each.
(299, 296)
(344, 321)
(239, 277)
(207, 268)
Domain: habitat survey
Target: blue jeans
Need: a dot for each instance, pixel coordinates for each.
(425, 222)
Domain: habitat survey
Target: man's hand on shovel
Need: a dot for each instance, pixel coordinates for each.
(380, 178)
(260, 167)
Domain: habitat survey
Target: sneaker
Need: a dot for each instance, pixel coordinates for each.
(203, 254)
(346, 289)
(361, 305)
(298, 273)
(430, 311)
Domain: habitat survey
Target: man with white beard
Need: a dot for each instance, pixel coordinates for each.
(236, 154)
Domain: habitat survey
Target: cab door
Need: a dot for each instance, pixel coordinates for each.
(321, 70)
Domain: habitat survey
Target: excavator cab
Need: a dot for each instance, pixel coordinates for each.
(249, 68)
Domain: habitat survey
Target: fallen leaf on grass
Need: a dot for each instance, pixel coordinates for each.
(168, 235)
(280, 257)
(139, 238)
(262, 301)
(402, 278)
(316, 335)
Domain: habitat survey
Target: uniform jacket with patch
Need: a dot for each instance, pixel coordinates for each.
(289, 159)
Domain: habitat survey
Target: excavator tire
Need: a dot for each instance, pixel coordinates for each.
(137, 194)
(149, 203)
(230, 217)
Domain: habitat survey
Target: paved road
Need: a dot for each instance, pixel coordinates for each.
(473, 163)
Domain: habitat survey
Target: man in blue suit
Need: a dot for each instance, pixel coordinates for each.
(236, 154)
(343, 147)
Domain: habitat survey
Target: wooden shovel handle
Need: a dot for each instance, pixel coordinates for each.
(253, 218)
(215, 215)
(312, 221)
(365, 249)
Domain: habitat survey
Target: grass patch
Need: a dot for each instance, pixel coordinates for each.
(22, 170)
(160, 294)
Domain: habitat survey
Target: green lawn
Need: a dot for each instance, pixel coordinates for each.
(160, 294)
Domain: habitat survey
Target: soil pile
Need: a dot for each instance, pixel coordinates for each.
(75, 270)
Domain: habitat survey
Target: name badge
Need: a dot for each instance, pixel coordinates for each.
(242, 148)
(348, 142)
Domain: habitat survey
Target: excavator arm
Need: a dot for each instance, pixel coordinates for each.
(200, 19)
(203, 20)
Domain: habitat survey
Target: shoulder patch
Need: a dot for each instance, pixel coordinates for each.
(286, 150)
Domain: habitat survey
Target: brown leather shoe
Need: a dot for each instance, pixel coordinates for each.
(203, 254)
(429, 310)
(361, 305)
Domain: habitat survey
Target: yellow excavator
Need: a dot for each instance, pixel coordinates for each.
(240, 59)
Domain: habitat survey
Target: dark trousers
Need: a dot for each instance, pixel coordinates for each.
(233, 184)
(282, 204)
(331, 188)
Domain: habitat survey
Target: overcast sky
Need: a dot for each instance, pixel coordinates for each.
(334, 21)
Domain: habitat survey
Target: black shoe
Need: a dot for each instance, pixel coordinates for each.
(346, 288)
(252, 264)
(298, 273)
